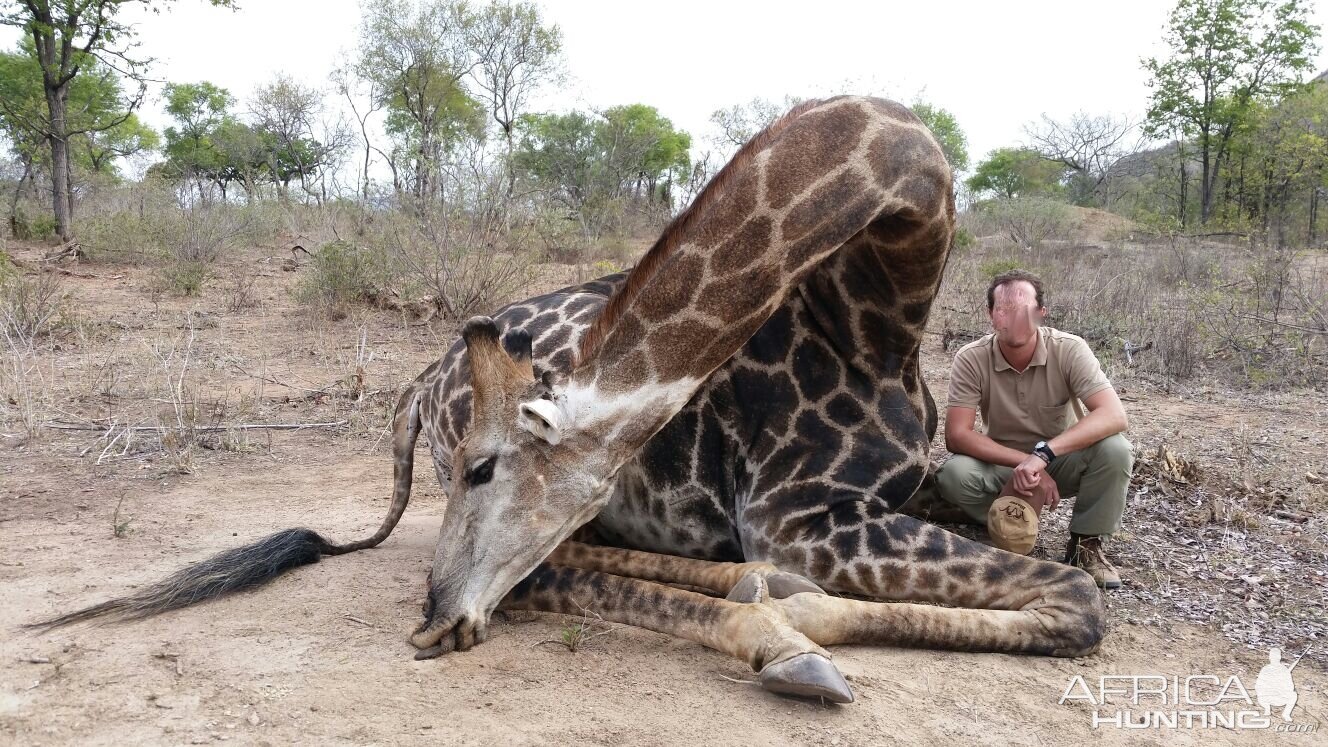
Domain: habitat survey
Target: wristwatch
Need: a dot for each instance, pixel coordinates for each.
(1042, 449)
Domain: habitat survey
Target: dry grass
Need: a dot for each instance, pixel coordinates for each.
(1175, 308)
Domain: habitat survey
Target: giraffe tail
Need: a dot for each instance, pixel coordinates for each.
(261, 561)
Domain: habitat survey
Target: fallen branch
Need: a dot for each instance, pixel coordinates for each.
(1282, 324)
(204, 428)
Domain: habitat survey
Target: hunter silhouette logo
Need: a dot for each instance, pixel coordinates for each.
(1196, 701)
(1275, 687)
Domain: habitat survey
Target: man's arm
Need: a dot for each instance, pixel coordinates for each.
(1106, 417)
(962, 438)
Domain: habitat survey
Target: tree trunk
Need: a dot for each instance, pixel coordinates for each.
(59, 140)
(1205, 184)
(1184, 182)
(69, 181)
(18, 192)
(1314, 215)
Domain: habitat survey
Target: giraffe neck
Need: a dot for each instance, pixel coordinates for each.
(843, 169)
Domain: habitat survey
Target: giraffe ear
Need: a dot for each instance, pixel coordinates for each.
(542, 418)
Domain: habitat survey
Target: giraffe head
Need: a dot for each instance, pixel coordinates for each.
(524, 479)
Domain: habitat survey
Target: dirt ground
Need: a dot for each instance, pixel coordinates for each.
(1222, 558)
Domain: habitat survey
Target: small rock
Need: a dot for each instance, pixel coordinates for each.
(253, 718)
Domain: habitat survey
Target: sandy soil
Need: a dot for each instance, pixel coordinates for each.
(320, 655)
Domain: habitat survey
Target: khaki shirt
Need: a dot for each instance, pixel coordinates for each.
(1020, 409)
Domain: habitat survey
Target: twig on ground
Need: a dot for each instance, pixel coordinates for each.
(205, 428)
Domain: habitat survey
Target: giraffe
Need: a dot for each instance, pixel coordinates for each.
(743, 414)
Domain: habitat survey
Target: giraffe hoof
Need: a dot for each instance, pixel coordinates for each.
(783, 585)
(432, 652)
(807, 676)
(750, 589)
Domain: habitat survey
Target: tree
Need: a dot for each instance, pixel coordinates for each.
(66, 37)
(515, 53)
(1088, 146)
(1015, 172)
(946, 129)
(1279, 159)
(98, 122)
(738, 123)
(201, 111)
(348, 85)
(417, 56)
(286, 113)
(561, 153)
(642, 150)
(127, 138)
(1226, 55)
(591, 164)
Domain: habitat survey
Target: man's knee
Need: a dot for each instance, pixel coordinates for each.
(1113, 452)
(961, 477)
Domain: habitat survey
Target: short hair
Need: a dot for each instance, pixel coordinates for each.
(1012, 276)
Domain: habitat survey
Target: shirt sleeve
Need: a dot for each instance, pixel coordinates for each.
(1084, 372)
(965, 381)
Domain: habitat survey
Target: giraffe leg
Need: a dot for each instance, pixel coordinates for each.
(995, 600)
(718, 578)
(789, 663)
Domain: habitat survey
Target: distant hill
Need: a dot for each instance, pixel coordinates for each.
(1323, 76)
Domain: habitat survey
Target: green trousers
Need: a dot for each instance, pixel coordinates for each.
(1099, 477)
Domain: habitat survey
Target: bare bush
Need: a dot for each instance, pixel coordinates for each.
(1028, 221)
(463, 260)
(1178, 307)
(29, 307)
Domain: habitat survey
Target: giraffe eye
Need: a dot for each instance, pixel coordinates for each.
(480, 473)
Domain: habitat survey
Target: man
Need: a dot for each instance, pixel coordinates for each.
(1053, 428)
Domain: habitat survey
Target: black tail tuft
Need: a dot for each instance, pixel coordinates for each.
(232, 570)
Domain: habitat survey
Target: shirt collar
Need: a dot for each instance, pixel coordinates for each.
(1039, 353)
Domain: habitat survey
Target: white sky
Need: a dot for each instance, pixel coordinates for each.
(994, 65)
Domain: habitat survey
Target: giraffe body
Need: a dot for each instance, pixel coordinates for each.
(743, 414)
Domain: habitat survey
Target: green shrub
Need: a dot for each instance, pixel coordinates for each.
(341, 274)
(993, 267)
(184, 277)
(963, 239)
(40, 228)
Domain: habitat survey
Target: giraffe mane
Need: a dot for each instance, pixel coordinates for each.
(673, 234)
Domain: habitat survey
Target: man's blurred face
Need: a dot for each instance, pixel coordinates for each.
(1016, 316)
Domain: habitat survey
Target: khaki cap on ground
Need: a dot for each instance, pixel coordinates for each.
(1012, 524)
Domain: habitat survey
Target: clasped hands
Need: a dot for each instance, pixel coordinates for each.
(1033, 483)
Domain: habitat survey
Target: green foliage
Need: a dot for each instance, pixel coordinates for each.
(963, 239)
(98, 122)
(183, 277)
(416, 57)
(1226, 57)
(122, 140)
(1015, 172)
(342, 274)
(39, 228)
(946, 129)
(993, 267)
(200, 111)
(592, 164)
